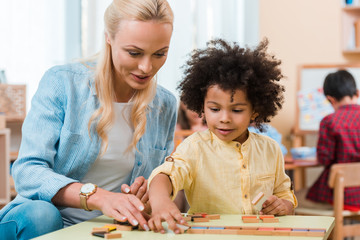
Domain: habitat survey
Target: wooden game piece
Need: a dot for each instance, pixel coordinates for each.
(196, 229)
(250, 219)
(268, 218)
(99, 234)
(258, 201)
(188, 218)
(111, 227)
(230, 231)
(233, 227)
(316, 232)
(102, 229)
(200, 219)
(113, 235)
(213, 216)
(123, 227)
(257, 198)
(299, 232)
(260, 231)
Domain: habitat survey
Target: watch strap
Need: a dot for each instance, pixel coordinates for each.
(83, 202)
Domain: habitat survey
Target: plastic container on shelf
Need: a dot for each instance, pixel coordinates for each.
(303, 153)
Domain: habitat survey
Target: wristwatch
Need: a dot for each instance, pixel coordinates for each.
(86, 191)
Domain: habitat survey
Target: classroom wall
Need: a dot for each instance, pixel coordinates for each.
(301, 32)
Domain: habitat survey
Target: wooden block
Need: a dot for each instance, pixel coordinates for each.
(112, 235)
(233, 227)
(111, 227)
(281, 233)
(246, 232)
(196, 230)
(270, 220)
(182, 228)
(123, 227)
(102, 229)
(249, 228)
(212, 231)
(200, 219)
(213, 216)
(187, 218)
(230, 231)
(299, 232)
(257, 198)
(315, 234)
(250, 220)
(266, 216)
(99, 234)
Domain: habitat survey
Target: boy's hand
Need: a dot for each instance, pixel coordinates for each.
(276, 206)
(165, 209)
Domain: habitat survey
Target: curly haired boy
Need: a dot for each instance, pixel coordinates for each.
(223, 168)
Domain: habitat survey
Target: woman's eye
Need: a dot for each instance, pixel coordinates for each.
(160, 54)
(214, 109)
(133, 53)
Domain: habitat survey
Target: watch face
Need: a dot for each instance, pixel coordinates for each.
(87, 188)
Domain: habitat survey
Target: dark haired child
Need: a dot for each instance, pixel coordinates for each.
(223, 168)
(339, 137)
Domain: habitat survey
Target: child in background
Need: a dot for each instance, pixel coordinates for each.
(189, 120)
(339, 136)
(223, 168)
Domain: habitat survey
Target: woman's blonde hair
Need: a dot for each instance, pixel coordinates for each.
(141, 10)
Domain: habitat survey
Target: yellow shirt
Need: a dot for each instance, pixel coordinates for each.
(224, 177)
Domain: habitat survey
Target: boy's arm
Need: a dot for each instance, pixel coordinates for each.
(326, 144)
(163, 208)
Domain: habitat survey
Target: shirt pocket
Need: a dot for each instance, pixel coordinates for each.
(264, 183)
(154, 158)
(69, 149)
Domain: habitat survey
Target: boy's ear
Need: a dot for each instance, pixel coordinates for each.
(331, 99)
(254, 115)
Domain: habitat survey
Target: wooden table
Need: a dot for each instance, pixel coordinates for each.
(82, 231)
(298, 168)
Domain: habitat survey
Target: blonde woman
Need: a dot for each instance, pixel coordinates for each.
(97, 129)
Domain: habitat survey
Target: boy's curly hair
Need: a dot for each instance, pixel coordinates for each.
(234, 68)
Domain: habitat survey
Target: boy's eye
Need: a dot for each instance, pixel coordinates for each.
(238, 110)
(214, 109)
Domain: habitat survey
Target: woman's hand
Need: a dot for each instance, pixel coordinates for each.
(138, 188)
(120, 206)
(165, 209)
(276, 206)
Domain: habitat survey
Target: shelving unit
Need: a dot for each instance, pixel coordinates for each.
(13, 104)
(4, 166)
(351, 35)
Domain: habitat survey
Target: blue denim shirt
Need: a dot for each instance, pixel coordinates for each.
(56, 147)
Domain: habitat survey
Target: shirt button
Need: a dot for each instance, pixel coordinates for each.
(139, 163)
(169, 159)
(244, 166)
(245, 196)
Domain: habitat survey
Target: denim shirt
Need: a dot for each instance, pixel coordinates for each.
(56, 147)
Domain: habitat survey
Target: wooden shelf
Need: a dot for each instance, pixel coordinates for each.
(350, 15)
